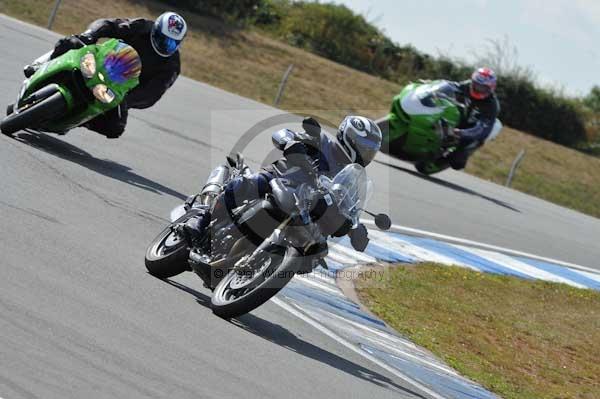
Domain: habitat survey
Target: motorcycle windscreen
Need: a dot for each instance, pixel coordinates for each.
(352, 189)
(123, 64)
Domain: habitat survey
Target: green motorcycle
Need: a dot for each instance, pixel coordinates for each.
(419, 127)
(74, 88)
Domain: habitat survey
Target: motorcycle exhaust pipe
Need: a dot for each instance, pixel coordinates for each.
(214, 185)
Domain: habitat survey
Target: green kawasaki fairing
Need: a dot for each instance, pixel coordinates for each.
(417, 125)
(91, 81)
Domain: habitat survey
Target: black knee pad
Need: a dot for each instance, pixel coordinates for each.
(113, 133)
(458, 164)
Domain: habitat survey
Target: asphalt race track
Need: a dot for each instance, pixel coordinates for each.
(80, 317)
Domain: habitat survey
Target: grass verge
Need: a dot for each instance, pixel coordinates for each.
(251, 64)
(519, 338)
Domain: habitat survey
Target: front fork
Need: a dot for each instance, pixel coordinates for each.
(309, 238)
(274, 244)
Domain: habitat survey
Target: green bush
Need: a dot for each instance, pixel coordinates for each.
(332, 31)
(540, 111)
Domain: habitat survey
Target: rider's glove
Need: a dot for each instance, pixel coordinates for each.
(65, 44)
(453, 136)
(359, 238)
(74, 41)
(86, 38)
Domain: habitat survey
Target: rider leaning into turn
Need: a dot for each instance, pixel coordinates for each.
(480, 113)
(311, 152)
(157, 44)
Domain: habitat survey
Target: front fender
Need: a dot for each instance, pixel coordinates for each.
(177, 212)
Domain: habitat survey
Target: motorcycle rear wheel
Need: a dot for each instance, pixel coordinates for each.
(167, 256)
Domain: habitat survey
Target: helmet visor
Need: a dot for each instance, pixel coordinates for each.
(164, 45)
(479, 90)
(366, 148)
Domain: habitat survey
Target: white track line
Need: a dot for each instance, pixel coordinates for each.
(307, 319)
(351, 253)
(340, 257)
(397, 244)
(382, 338)
(457, 240)
(519, 266)
(319, 285)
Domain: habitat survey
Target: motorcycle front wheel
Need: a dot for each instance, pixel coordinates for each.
(429, 168)
(239, 293)
(49, 108)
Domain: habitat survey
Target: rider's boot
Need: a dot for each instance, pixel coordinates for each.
(194, 230)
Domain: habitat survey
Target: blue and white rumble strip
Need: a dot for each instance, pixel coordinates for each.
(317, 299)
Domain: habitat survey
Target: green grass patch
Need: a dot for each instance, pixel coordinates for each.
(249, 63)
(518, 338)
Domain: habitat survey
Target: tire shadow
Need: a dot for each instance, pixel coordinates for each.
(449, 185)
(281, 336)
(105, 167)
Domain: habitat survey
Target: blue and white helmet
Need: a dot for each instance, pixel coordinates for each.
(167, 33)
(360, 139)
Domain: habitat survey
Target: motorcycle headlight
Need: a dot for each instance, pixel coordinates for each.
(88, 65)
(103, 93)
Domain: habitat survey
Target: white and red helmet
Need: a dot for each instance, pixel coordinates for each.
(483, 83)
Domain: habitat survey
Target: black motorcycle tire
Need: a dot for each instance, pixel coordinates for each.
(280, 275)
(175, 261)
(49, 108)
(421, 167)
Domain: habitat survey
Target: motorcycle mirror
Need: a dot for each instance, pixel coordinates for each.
(239, 161)
(383, 221)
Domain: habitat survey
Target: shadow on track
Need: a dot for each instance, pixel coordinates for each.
(449, 185)
(105, 167)
(284, 338)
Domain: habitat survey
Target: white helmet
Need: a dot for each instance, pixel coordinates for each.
(167, 33)
(360, 138)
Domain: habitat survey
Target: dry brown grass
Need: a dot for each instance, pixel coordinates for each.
(250, 64)
(550, 171)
